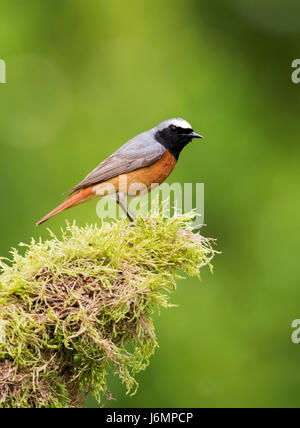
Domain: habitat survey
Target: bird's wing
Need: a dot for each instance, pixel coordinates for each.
(141, 151)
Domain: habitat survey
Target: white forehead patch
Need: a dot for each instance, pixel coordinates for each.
(179, 123)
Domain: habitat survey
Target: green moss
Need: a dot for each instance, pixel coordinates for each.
(78, 307)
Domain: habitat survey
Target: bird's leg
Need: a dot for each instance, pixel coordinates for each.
(120, 201)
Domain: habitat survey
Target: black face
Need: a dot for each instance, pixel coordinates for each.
(175, 138)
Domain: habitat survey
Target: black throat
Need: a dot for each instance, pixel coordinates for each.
(173, 143)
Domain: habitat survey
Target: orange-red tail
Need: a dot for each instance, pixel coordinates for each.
(75, 199)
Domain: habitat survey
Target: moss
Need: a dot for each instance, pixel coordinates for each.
(80, 306)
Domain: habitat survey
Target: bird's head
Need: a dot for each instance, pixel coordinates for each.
(175, 134)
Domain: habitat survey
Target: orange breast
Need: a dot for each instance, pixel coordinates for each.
(139, 182)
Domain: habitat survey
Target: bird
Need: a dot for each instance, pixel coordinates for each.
(147, 159)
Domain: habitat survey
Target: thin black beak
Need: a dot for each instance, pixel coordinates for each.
(195, 135)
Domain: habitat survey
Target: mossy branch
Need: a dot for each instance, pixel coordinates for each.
(75, 308)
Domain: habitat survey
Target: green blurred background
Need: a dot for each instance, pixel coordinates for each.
(83, 76)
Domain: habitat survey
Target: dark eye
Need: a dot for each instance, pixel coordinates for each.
(173, 128)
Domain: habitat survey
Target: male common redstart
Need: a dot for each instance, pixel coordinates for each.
(149, 158)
